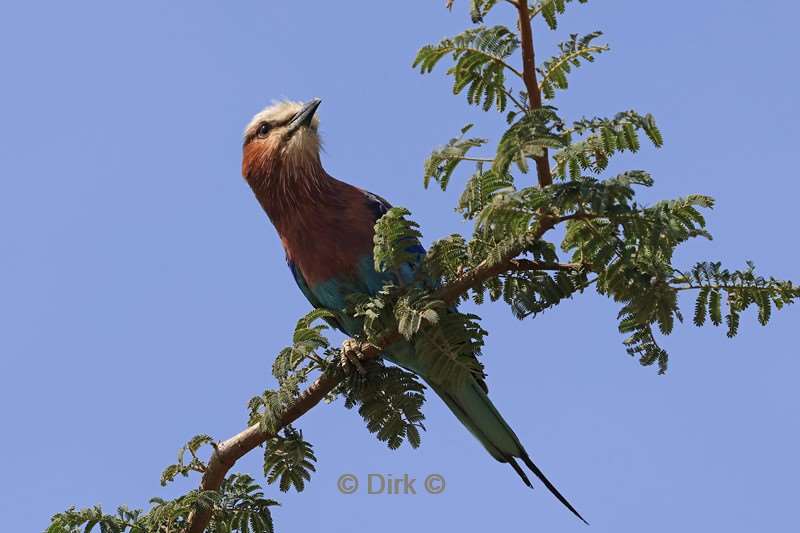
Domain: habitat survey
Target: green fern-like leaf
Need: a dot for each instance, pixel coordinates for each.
(289, 460)
(390, 401)
(446, 258)
(238, 506)
(528, 138)
(396, 240)
(184, 467)
(442, 162)
(554, 72)
(480, 63)
(602, 138)
(452, 348)
(481, 188)
(550, 9)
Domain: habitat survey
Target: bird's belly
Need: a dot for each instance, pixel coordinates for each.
(335, 293)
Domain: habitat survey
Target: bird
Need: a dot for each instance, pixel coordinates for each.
(326, 228)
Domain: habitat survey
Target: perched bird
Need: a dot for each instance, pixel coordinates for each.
(326, 227)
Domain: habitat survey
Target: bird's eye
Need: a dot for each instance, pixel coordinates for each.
(263, 129)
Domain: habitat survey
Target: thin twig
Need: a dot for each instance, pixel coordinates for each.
(516, 102)
(477, 159)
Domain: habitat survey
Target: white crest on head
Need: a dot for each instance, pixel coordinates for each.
(277, 114)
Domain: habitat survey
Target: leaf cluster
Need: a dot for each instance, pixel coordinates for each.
(396, 241)
(737, 291)
(479, 63)
(390, 400)
(289, 460)
(549, 10)
(310, 351)
(554, 71)
(238, 506)
(442, 162)
(194, 464)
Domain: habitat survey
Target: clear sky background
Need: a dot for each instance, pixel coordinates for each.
(143, 293)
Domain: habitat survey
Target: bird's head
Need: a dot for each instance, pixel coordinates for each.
(281, 141)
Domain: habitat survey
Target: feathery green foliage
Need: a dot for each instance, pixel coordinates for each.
(453, 347)
(441, 164)
(389, 399)
(395, 238)
(480, 66)
(310, 351)
(742, 289)
(289, 460)
(239, 506)
(183, 468)
(553, 74)
(481, 188)
(478, 8)
(621, 247)
(550, 9)
(601, 139)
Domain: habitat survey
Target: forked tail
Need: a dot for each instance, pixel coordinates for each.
(475, 410)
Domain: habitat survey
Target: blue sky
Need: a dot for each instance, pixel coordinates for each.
(144, 293)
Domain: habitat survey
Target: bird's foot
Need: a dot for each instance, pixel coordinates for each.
(351, 356)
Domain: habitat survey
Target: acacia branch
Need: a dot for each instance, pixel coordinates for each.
(516, 102)
(531, 85)
(526, 265)
(489, 56)
(563, 60)
(476, 159)
(720, 287)
(229, 451)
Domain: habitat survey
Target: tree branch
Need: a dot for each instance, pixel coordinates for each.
(526, 265)
(720, 287)
(531, 85)
(477, 159)
(228, 452)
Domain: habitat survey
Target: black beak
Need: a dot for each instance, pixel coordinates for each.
(304, 116)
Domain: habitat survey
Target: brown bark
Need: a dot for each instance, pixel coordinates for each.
(228, 452)
(531, 84)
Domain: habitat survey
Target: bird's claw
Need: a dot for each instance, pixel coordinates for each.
(351, 355)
